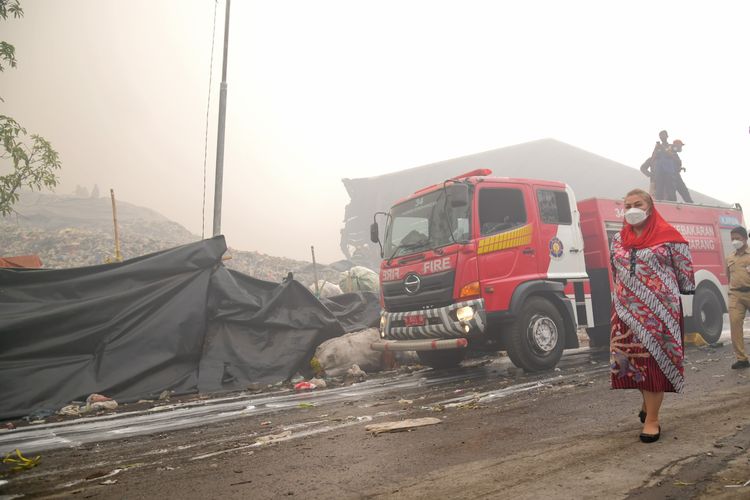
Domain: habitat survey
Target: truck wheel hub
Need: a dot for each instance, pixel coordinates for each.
(542, 333)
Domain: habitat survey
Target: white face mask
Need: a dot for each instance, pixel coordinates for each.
(635, 216)
(737, 244)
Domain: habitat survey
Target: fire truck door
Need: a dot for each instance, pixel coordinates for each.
(560, 234)
(507, 251)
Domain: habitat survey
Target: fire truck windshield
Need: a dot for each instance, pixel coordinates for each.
(423, 223)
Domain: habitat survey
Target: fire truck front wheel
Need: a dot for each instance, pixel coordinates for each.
(445, 358)
(537, 337)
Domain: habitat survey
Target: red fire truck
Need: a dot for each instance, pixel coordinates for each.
(518, 265)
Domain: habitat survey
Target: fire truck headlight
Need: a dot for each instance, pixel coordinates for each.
(465, 313)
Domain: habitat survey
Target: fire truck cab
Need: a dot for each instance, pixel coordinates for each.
(518, 265)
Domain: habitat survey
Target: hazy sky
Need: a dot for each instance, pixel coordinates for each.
(320, 90)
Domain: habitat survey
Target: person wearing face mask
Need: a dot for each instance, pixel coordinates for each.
(738, 269)
(651, 267)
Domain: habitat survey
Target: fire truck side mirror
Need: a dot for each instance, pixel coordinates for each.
(458, 194)
(374, 232)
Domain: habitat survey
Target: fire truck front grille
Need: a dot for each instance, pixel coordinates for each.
(435, 290)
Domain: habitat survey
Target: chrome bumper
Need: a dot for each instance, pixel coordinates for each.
(441, 323)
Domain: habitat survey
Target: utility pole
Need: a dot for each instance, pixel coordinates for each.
(220, 135)
(118, 254)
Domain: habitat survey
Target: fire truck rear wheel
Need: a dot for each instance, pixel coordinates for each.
(445, 358)
(537, 337)
(708, 315)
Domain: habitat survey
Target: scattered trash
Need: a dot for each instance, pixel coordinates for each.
(109, 482)
(265, 424)
(140, 401)
(10, 426)
(306, 405)
(99, 406)
(19, 462)
(319, 383)
(97, 398)
(405, 401)
(296, 379)
(695, 339)
(304, 386)
(165, 395)
(336, 356)
(472, 404)
(747, 483)
(717, 344)
(3, 482)
(403, 425)
(70, 411)
(683, 483)
(271, 438)
(355, 374)
(38, 416)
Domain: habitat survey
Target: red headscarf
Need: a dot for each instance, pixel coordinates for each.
(655, 231)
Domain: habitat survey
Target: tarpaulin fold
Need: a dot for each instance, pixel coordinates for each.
(174, 320)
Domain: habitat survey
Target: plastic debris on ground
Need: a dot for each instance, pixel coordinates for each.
(70, 411)
(355, 374)
(20, 463)
(335, 356)
(304, 386)
(165, 395)
(38, 416)
(97, 402)
(272, 438)
(319, 383)
(403, 425)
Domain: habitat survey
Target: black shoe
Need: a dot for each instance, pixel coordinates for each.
(650, 438)
(642, 416)
(740, 364)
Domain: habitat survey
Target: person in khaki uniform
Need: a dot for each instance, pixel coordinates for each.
(738, 268)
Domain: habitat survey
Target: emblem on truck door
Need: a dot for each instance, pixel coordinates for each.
(412, 283)
(556, 248)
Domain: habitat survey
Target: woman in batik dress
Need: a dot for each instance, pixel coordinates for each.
(651, 267)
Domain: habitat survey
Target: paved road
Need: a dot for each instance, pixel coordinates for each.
(502, 434)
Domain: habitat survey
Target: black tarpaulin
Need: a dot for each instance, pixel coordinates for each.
(174, 320)
(260, 332)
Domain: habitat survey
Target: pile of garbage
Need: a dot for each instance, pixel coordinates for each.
(76, 231)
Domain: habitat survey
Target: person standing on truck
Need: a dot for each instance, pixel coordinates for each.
(659, 168)
(679, 184)
(738, 269)
(651, 267)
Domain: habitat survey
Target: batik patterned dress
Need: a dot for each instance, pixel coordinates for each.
(646, 345)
